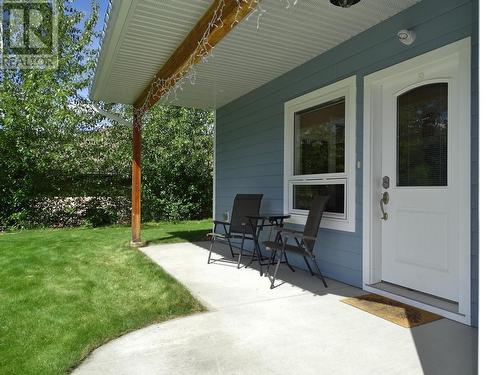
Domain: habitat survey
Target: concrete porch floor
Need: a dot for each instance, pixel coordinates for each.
(298, 328)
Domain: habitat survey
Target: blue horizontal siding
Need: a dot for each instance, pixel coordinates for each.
(249, 142)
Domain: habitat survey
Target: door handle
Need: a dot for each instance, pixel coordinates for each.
(384, 201)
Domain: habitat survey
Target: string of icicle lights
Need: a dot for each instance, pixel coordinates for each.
(167, 89)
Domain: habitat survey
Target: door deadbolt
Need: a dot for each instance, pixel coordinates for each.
(386, 182)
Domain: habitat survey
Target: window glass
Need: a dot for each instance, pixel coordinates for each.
(422, 144)
(319, 139)
(304, 194)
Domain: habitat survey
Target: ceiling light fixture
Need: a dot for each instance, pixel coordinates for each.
(407, 37)
(344, 3)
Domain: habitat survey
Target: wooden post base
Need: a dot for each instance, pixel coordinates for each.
(137, 244)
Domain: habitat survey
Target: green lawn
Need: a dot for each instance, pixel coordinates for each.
(65, 292)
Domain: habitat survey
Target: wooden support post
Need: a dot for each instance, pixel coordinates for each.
(136, 180)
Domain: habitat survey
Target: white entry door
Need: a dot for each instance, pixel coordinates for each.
(422, 175)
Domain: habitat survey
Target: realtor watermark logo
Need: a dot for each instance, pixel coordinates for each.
(28, 34)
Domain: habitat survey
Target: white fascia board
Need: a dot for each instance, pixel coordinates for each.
(121, 13)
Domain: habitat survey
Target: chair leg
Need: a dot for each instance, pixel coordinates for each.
(271, 260)
(308, 266)
(239, 260)
(230, 248)
(241, 251)
(211, 247)
(319, 272)
(251, 258)
(288, 263)
(259, 257)
(276, 269)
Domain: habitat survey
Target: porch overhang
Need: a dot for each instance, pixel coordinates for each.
(141, 36)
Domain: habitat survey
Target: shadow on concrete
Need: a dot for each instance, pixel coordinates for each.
(221, 256)
(187, 235)
(446, 347)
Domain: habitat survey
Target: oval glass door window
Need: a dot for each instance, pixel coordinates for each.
(422, 136)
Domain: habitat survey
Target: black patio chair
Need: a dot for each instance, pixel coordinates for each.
(238, 227)
(304, 240)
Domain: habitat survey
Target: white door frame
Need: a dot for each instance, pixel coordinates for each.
(372, 253)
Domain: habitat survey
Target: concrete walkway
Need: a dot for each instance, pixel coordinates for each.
(298, 328)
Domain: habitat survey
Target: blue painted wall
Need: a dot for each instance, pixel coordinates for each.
(249, 135)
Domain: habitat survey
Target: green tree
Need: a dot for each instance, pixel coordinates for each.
(41, 112)
(62, 164)
(177, 163)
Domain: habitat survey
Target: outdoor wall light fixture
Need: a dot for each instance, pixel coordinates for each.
(407, 37)
(344, 3)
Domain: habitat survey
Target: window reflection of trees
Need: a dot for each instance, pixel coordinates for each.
(423, 136)
(320, 140)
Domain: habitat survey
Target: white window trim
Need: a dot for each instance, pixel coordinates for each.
(344, 88)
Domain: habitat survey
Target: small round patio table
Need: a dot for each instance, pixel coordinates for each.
(258, 223)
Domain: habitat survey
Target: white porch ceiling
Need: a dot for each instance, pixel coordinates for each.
(142, 34)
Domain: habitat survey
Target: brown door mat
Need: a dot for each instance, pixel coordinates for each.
(393, 311)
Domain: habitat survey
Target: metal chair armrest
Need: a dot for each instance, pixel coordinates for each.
(291, 231)
(296, 234)
(224, 224)
(221, 222)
